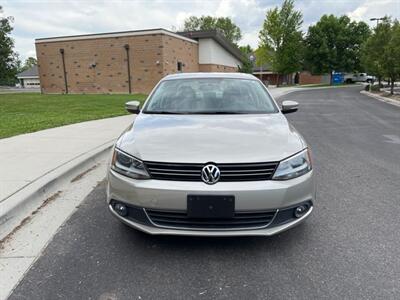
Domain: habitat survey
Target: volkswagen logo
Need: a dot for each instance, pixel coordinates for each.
(210, 174)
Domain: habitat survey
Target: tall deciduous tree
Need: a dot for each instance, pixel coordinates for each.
(247, 65)
(281, 38)
(8, 58)
(391, 54)
(372, 53)
(334, 44)
(230, 30)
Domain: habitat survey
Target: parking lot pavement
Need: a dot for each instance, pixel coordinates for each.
(349, 248)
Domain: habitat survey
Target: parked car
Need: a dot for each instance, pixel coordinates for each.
(211, 154)
(358, 77)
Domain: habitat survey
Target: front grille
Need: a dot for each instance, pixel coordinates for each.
(241, 220)
(229, 172)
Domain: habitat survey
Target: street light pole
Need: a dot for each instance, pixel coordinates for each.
(377, 20)
(377, 23)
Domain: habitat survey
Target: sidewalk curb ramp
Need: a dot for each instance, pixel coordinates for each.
(17, 207)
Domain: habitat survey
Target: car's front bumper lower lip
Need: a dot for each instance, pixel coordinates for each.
(146, 225)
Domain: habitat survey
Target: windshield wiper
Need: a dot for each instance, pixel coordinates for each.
(166, 112)
(219, 112)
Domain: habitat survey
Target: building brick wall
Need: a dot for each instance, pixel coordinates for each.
(100, 65)
(178, 50)
(308, 78)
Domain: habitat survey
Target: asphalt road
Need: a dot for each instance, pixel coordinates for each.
(349, 248)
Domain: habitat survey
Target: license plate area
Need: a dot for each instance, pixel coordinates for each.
(210, 206)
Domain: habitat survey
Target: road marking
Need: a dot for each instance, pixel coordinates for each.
(393, 139)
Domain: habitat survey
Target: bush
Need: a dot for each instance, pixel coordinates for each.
(375, 88)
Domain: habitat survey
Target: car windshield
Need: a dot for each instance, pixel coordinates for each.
(210, 96)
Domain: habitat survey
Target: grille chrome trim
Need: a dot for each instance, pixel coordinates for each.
(229, 172)
(159, 218)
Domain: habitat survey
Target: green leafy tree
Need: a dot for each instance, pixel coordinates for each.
(372, 52)
(247, 65)
(229, 29)
(29, 63)
(281, 38)
(9, 61)
(391, 53)
(263, 56)
(334, 44)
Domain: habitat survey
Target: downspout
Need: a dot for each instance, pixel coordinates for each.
(65, 72)
(129, 68)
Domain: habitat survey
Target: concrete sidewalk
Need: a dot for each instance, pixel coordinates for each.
(278, 92)
(30, 162)
(25, 158)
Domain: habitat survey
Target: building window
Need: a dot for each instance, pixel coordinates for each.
(179, 66)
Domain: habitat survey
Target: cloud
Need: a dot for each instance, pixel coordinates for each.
(34, 19)
(376, 8)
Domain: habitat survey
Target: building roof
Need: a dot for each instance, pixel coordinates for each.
(31, 72)
(112, 34)
(218, 37)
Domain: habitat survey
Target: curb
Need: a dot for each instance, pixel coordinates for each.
(304, 89)
(380, 98)
(15, 208)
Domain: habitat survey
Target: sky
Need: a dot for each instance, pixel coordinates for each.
(38, 19)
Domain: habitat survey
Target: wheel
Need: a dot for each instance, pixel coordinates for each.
(348, 81)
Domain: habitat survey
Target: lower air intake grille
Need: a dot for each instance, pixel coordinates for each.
(241, 220)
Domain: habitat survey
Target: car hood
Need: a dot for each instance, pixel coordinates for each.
(211, 138)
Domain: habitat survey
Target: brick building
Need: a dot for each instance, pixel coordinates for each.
(131, 61)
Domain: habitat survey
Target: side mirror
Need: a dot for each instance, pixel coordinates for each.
(133, 107)
(289, 107)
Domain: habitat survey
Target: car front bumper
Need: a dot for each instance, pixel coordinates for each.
(280, 197)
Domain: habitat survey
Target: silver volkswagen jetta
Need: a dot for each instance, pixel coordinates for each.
(211, 154)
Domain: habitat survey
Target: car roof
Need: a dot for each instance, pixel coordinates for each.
(233, 75)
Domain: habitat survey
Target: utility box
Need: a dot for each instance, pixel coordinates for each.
(337, 78)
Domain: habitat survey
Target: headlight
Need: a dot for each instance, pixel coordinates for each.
(127, 165)
(294, 166)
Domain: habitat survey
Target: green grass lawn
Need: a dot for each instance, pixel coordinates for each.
(29, 112)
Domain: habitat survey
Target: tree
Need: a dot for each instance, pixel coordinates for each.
(263, 56)
(381, 52)
(8, 58)
(372, 52)
(391, 53)
(281, 38)
(334, 44)
(247, 65)
(29, 63)
(229, 29)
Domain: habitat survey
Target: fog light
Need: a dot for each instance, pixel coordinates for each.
(300, 211)
(121, 209)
